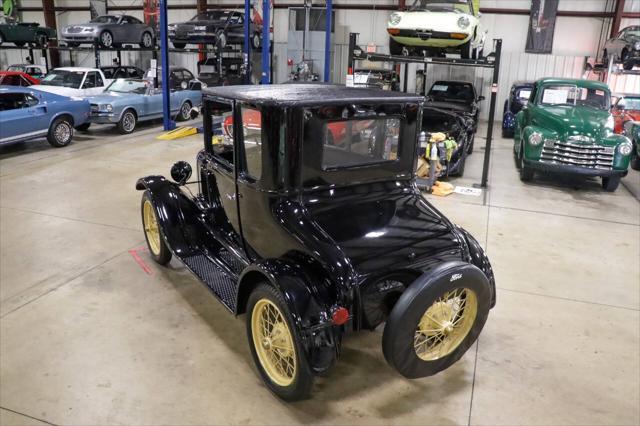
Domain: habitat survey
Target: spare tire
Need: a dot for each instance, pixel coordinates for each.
(435, 321)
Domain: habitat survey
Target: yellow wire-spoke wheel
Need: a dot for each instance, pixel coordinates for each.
(151, 228)
(273, 342)
(445, 324)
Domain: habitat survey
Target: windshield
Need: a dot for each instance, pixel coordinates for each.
(64, 78)
(218, 15)
(632, 32)
(458, 6)
(569, 95)
(629, 103)
(451, 91)
(105, 20)
(123, 85)
(19, 68)
(523, 94)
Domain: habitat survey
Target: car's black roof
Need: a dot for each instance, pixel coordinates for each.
(308, 94)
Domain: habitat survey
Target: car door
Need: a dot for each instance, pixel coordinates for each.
(22, 116)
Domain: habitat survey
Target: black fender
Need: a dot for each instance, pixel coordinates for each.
(172, 206)
(479, 258)
(308, 300)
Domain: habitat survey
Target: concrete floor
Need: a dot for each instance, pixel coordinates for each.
(88, 337)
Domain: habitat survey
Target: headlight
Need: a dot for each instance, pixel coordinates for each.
(535, 139)
(463, 22)
(88, 30)
(395, 18)
(200, 28)
(636, 46)
(625, 148)
(107, 107)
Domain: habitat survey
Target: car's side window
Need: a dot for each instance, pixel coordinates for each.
(221, 128)
(31, 100)
(99, 82)
(252, 138)
(90, 81)
(11, 101)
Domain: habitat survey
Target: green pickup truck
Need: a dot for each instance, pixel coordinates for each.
(21, 33)
(567, 128)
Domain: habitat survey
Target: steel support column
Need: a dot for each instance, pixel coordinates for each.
(327, 41)
(246, 56)
(48, 7)
(617, 17)
(167, 122)
(492, 109)
(266, 42)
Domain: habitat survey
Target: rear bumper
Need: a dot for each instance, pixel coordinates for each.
(542, 166)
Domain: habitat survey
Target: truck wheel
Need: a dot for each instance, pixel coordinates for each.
(127, 123)
(185, 111)
(276, 347)
(635, 162)
(152, 232)
(83, 127)
(526, 174)
(610, 184)
(436, 320)
(60, 132)
(395, 48)
(106, 39)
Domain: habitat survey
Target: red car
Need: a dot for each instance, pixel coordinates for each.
(626, 108)
(17, 78)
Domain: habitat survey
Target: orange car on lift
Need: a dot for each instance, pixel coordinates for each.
(626, 108)
(252, 121)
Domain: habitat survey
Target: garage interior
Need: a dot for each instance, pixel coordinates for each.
(93, 332)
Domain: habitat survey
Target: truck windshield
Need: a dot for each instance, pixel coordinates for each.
(570, 95)
(459, 6)
(64, 78)
(127, 85)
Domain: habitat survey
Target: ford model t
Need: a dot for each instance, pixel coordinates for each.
(311, 224)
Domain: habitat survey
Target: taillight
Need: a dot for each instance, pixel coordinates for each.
(340, 316)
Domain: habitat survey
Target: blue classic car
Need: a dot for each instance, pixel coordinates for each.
(26, 113)
(126, 101)
(518, 98)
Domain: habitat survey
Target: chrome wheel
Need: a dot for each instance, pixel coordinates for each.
(62, 133)
(106, 39)
(445, 324)
(185, 111)
(147, 40)
(128, 121)
(273, 342)
(151, 228)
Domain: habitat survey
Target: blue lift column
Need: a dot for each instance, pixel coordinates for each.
(266, 43)
(327, 42)
(167, 122)
(246, 57)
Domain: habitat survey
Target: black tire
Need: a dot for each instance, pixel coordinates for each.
(466, 50)
(83, 127)
(395, 48)
(106, 39)
(42, 40)
(526, 174)
(300, 387)
(463, 162)
(179, 45)
(610, 184)
(1, 39)
(401, 327)
(158, 250)
(256, 41)
(472, 140)
(635, 163)
(147, 41)
(19, 43)
(60, 132)
(125, 125)
(185, 111)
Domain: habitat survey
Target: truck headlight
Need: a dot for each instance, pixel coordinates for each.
(395, 18)
(463, 22)
(535, 139)
(636, 46)
(625, 148)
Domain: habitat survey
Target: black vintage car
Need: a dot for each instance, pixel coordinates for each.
(217, 27)
(311, 224)
(518, 98)
(455, 96)
(458, 126)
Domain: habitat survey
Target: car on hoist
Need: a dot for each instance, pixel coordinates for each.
(110, 31)
(312, 239)
(217, 27)
(21, 33)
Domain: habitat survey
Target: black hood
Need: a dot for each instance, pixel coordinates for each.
(449, 106)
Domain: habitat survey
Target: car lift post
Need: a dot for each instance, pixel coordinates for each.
(246, 57)
(164, 53)
(492, 107)
(327, 41)
(266, 43)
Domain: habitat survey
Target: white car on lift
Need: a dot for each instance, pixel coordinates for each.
(74, 81)
(434, 27)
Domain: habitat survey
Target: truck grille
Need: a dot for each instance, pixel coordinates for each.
(578, 154)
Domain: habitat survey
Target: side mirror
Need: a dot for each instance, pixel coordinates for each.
(181, 172)
(481, 98)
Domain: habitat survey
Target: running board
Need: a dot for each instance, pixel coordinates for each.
(220, 281)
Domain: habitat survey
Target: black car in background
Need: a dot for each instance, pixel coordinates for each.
(116, 71)
(218, 27)
(518, 98)
(624, 47)
(455, 96)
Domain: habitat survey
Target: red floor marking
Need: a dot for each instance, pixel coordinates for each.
(139, 261)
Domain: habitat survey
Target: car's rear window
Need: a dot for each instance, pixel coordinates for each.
(359, 142)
